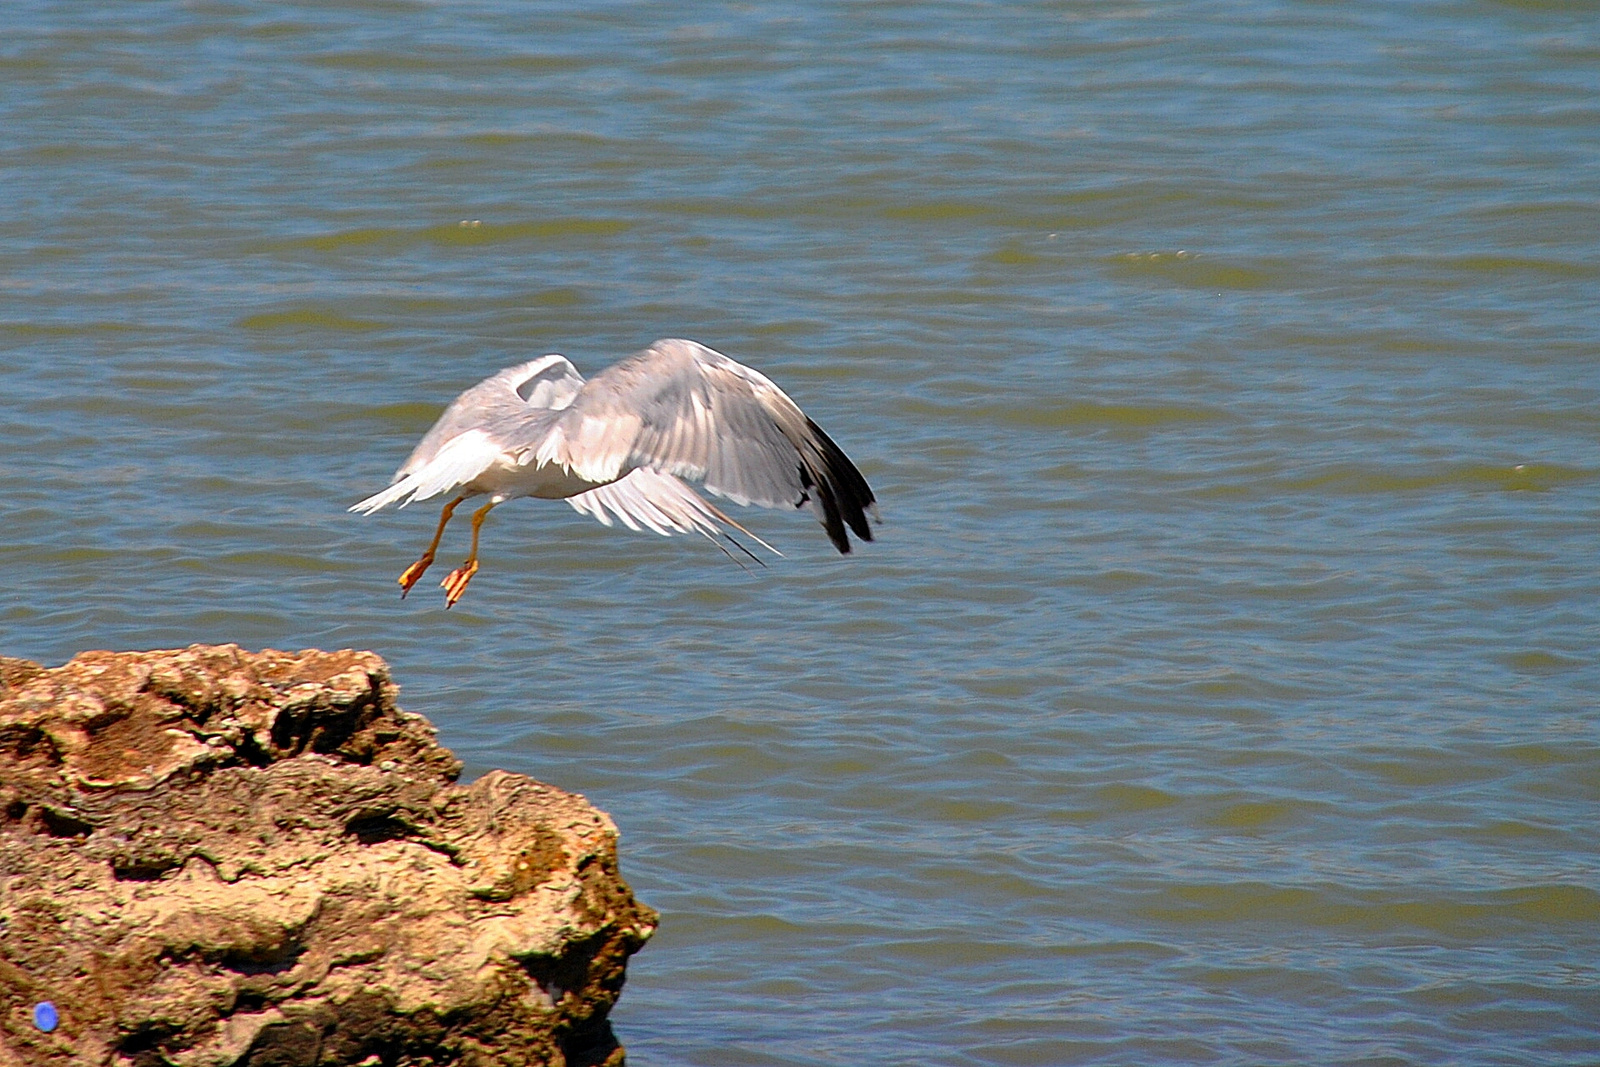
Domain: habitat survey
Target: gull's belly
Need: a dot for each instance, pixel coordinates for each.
(547, 481)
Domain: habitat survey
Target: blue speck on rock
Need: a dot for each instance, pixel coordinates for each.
(45, 1016)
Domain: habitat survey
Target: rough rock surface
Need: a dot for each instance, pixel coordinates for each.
(213, 857)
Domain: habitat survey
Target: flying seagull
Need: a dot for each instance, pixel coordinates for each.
(622, 444)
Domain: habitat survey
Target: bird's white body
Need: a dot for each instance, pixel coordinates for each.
(501, 473)
(623, 443)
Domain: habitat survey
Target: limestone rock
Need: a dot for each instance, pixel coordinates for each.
(212, 857)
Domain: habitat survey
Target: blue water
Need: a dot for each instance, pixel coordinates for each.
(1222, 686)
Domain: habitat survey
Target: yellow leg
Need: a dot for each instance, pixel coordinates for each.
(413, 572)
(455, 583)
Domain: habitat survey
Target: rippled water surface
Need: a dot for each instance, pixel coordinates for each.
(1222, 687)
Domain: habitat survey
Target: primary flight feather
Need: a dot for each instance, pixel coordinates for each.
(624, 444)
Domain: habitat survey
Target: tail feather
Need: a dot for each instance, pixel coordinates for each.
(451, 468)
(405, 487)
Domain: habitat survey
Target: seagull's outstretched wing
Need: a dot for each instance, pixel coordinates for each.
(461, 447)
(690, 412)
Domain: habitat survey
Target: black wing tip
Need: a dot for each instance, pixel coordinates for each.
(841, 489)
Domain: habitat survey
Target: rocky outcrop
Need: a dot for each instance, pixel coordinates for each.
(212, 857)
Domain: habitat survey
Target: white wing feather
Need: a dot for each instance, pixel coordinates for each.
(648, 499)
(689, 411)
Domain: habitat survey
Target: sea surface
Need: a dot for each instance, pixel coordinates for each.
(1222, 686)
